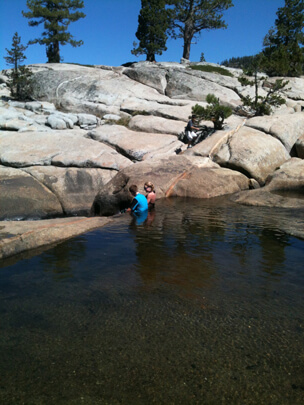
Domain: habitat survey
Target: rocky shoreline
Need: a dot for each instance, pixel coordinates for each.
(92, 131)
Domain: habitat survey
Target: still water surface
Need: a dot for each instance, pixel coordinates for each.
(201, 304)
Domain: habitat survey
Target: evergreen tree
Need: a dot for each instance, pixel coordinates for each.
(20, 76)
(153, 22)
(56, 15)
(283, 45)
(190, 17)
(259, 105)
(241, 62)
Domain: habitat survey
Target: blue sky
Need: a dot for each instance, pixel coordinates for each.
(109, 28)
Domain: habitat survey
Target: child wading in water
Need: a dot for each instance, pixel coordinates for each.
(139, 203)
(151, 196)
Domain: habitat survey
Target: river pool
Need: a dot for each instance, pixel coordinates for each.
(200, 304)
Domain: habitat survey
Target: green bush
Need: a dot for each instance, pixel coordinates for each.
(212, 69)
(213, 112)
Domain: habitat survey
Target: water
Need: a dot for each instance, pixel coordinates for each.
(202, 305)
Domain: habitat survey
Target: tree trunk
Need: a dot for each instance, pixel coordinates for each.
(188, 35)
(56, 52)
(52, 52)
(150, 57)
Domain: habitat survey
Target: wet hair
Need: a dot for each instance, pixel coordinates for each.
(149, 184)
(133, 189)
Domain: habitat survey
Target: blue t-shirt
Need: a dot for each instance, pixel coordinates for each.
(139, 203)
(140, 217)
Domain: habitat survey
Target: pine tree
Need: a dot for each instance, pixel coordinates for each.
(151, 32)
(261, 105)
(20, 76)
(56, 15)
(190, 17)
(214, 111)
(283, 49)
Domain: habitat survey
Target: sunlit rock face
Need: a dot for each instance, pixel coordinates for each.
(92, 131)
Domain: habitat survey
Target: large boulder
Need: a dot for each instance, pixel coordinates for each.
(175, 176)
(251, 152)
(208, 183)
(75, 188)
(284, 188)
(48, 191)
(288, 177)
(23, 197)
(286, 128)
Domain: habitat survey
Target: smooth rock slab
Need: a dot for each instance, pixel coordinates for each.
(73, 86)
(156, 125)
(188, 86)
(22, 236)
(265, 197)
(134, 145)
(179, 111)
(59, 148)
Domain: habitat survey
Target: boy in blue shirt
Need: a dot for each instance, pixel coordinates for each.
(139, 203)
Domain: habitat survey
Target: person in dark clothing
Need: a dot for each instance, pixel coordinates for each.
(190, 134)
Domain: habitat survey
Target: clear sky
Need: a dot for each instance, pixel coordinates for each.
(109, 28)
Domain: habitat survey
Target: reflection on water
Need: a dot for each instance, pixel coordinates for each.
(201, 303)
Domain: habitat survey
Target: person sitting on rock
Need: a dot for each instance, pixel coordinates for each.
(190, 134)
(139, 203)
(151, 195)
